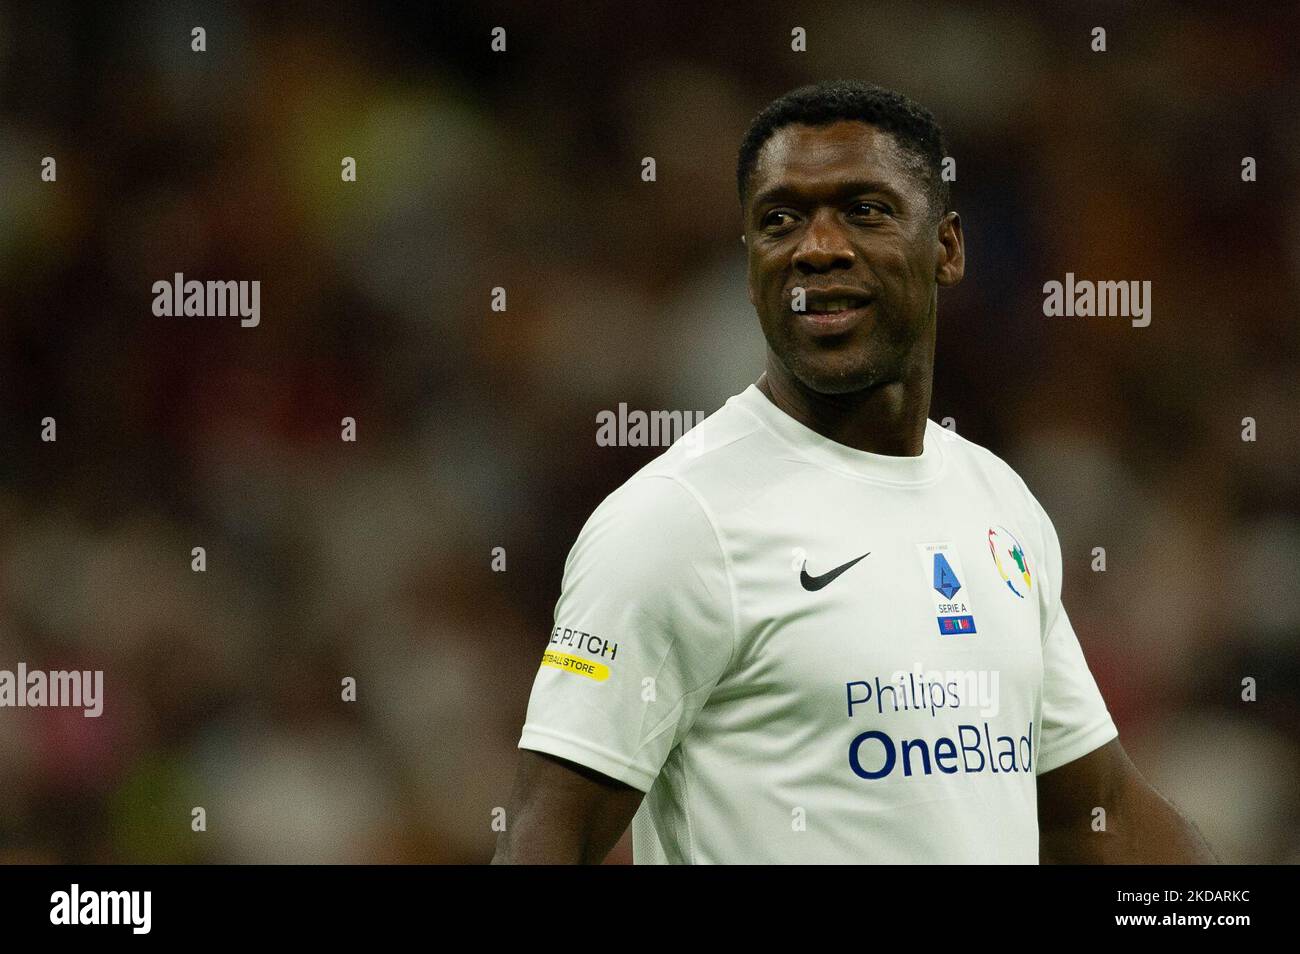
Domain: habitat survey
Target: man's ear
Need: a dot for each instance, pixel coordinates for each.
(952, 251)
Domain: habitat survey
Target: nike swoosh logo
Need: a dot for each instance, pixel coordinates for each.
(813, 583)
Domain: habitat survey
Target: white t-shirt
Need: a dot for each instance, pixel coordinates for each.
(803, 652)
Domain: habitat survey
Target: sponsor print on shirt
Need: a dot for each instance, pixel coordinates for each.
(565, 636)
(941, 565)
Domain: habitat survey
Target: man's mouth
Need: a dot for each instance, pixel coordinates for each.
(835, 305)
(833, 313)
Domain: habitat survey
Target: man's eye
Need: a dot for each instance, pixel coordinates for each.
(767, 219)
(869, 206)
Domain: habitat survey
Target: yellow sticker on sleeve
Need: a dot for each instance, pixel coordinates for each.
(576, 664)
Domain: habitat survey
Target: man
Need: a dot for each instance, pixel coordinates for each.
(825, 629)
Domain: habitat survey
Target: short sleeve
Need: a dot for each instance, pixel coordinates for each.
(1075, 720)
(643, 630)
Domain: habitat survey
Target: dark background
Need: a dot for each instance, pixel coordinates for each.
(477, 428)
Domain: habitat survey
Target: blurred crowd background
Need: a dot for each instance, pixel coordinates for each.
(476, 429)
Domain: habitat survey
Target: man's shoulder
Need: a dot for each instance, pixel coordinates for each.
(724, 439)
(725, 444)
(661, 527)
(680, 497)
(983, 464)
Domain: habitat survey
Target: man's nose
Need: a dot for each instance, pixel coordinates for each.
(824, 245)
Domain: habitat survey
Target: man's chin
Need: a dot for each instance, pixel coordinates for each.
(834, 378)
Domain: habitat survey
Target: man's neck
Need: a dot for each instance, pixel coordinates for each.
(883, 420)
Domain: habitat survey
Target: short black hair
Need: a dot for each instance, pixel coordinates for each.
(821, 104)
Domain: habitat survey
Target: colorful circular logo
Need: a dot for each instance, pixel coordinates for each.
(1010, 559)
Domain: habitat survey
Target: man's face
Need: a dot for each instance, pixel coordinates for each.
(838, 211)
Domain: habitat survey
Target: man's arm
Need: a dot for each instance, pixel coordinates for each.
(1140, 826)
(563, 813)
